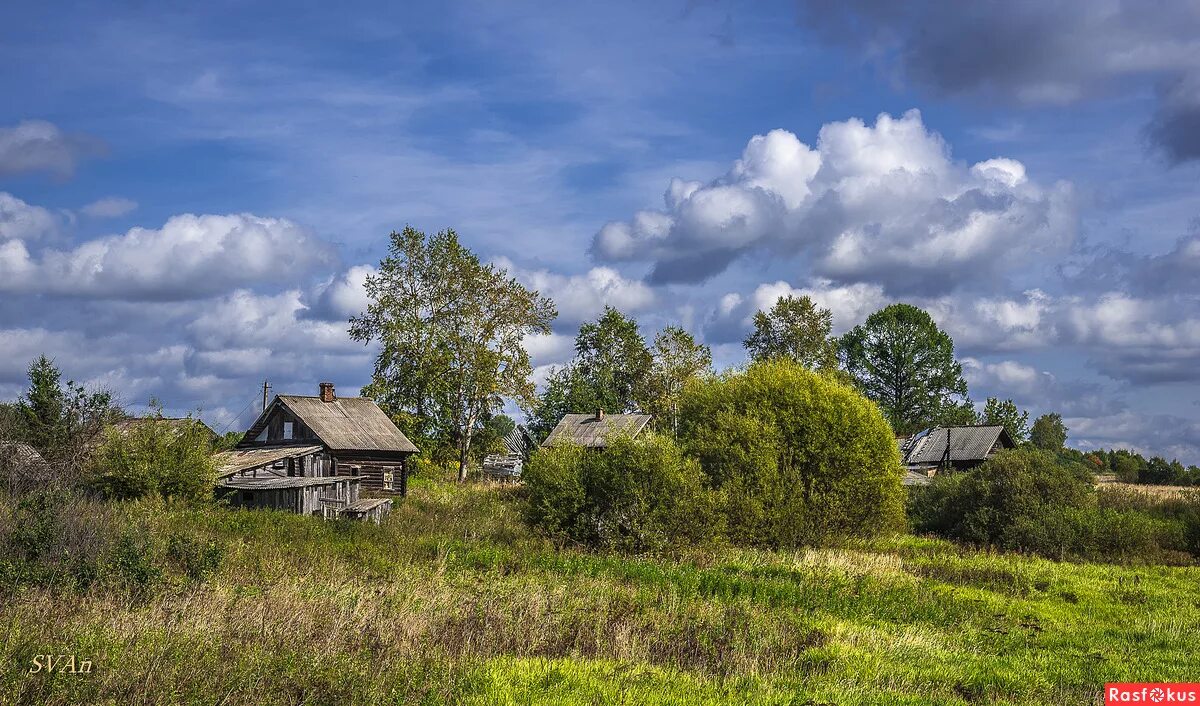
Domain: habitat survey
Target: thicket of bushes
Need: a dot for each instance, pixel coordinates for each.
(1024, 500)
(69, 540)
(636, 494)
(776, 455)
(153, 457)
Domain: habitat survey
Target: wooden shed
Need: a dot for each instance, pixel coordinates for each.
(353, 432)
(592, 430)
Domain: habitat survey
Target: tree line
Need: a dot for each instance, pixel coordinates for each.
(450, 330)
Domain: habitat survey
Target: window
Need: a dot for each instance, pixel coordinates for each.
(387, 479)
(287, 430)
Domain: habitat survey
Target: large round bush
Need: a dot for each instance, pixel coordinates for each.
(636, 494)
(799, 456)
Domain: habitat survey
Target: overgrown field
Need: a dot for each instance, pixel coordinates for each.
(454, 601)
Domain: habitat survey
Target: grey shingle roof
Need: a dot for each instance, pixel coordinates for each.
(230, 462)
(349, 423)
(967, 443)
(277, 482)
(588, 431)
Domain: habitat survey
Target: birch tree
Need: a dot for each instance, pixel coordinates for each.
(450, 331)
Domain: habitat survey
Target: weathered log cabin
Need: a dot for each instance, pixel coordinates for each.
(354, 436)
(592, 430)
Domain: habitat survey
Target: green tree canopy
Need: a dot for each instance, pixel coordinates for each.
(634, 494)
(450, 330)
(155, 456)
(901, 359)
(677, 358)
(612, 356)
(1049, 433)
(610, 371)
(61, 420)
(795, 328)
(1006, 414)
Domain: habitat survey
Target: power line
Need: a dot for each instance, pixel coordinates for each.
(238, 415)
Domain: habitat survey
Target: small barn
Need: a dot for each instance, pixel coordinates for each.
(958, 447)
(592, 430)
(355, 437)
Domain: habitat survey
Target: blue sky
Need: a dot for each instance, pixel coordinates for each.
(191, 195)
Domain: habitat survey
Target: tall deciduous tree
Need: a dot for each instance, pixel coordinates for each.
(677, 358)
(450, 331)
(610, 371)
(795, 328)
(900, 359)
(1049, 432)
(612, 355)
(1006, 414)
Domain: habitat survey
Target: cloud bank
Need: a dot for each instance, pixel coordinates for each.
(883, 203)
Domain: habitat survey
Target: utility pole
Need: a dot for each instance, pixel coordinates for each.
(266, 387)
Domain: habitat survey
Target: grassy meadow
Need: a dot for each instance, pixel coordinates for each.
(454, 600)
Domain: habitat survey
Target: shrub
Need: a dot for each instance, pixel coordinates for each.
(1024, 500)
(36, 528)
(977, 506)
(131, 561)
(154, 457)
(197, 559)
(799, 456)
(636, 494)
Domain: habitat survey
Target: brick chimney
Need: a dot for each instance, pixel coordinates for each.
(600, 415)
(327, 392)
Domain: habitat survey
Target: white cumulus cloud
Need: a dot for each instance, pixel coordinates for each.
(884, 203)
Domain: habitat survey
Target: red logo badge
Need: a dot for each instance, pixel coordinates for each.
(1147, 693)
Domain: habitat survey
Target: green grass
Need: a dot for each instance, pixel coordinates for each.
(453, 600)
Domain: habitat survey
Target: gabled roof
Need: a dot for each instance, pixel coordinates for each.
(967, 443)
(589, 431)
(231, 462)
(346, 424)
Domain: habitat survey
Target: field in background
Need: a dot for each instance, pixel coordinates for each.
(1163, 492)
(454, 601)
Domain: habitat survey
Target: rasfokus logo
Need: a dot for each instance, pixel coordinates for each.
(1122, 693)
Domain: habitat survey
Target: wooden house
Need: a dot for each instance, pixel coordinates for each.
(592, 430)
(353, 435)
(954, 447)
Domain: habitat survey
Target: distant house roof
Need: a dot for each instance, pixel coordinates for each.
(966, 444)
(914, 478)
(345, 424)
(591, 430)
(176, 424)
(516, 441)
(23, 461)
(231, 462)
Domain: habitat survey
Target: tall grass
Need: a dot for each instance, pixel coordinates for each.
(452, 600)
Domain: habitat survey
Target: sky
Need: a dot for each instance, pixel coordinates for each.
(191, 194)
